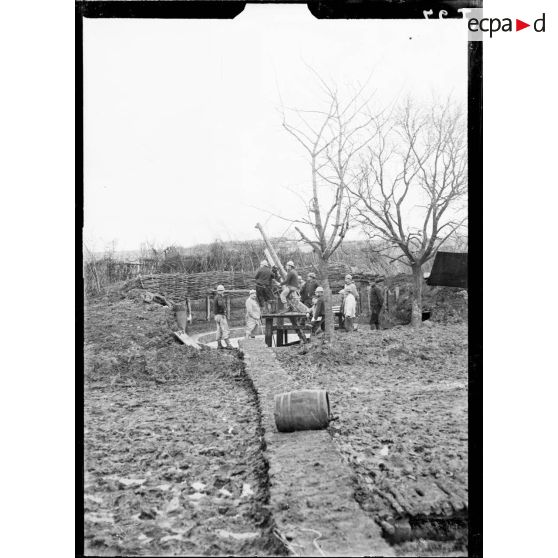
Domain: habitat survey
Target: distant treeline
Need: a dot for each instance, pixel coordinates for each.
(245, 257)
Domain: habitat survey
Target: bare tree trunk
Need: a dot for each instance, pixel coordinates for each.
(329, 318)
(416, 308)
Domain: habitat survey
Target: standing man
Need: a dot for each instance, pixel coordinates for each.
(376, 303)
(220, 311)
(308, 290)
(318, 314)
(253, 314)
(264, 282)
(290, 285)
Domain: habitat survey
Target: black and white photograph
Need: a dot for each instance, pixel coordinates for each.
(275, 277)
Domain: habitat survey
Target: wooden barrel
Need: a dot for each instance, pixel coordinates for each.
(302, 410)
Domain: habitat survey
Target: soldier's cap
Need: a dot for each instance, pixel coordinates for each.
(252, 291)
(319, 290)
(312, 274)
(291, 263)
(264, 262)
(220, 288)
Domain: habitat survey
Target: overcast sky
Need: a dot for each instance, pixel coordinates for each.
(182, 133)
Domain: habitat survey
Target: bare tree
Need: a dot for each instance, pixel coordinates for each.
(411, 191)
(332, 140)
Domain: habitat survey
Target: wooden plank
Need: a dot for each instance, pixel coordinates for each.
(269, 331)
(228, 303)
(277, 315)
(386, 299)
(279, 331)
(186, 339)
(232, 291)
(208, 307)
(279, 337)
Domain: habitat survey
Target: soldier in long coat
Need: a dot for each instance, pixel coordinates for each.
(376, 303)
(253, 314)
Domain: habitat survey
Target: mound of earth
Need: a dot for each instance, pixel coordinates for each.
(172, 442)
(400, 397)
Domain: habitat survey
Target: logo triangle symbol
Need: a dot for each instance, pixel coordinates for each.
(519, 25)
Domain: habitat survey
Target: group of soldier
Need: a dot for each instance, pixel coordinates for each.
(296, 295)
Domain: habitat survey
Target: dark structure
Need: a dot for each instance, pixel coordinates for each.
(449, 270)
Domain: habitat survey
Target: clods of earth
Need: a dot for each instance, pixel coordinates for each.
(173, 439)
(173, 460)
(399, 398)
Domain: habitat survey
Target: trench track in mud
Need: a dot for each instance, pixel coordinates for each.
(311, 490)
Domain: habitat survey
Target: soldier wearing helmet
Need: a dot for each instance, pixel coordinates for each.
(318, 313)
(220, 312)
(290, 284)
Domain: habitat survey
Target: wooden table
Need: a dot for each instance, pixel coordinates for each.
(276, 323)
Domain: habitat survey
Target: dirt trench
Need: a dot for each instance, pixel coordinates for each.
(173, 444)
(311, 492)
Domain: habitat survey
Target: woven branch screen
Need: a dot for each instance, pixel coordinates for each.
(178, 286)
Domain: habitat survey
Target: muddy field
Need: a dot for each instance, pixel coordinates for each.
(173, 437)
(173, 461)
(400, 398)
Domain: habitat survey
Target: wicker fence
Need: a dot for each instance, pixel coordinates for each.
(179, 286)
(199, 288)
